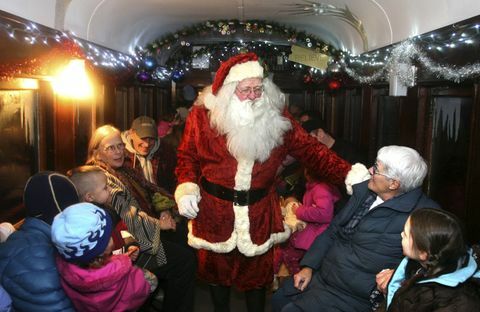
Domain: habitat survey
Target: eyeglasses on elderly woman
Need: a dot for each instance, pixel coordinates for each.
(110, 149)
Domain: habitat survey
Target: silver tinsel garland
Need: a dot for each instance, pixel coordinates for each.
(401, 65)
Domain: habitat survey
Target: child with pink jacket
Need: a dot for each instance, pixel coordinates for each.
(313, 215)
(93, 278)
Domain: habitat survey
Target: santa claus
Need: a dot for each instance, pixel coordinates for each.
(236, 136)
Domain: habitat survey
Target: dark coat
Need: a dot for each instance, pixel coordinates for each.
(28, 271)
(439, 298)
(345, 265)
(457, 291)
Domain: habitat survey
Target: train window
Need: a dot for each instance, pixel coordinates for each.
(450, 137)
(19, 151)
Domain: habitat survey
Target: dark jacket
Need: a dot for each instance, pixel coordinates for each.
(455, 291)
(345, 265)
(28, 271)
(163, 158)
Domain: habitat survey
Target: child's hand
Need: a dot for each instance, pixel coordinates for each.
(291, 219)
(133, 252)
(289, 200)
(382, 279)
(167, 222)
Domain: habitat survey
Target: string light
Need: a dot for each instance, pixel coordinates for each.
(399, 59)
(31, 33)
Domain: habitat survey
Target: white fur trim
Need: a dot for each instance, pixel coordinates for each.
(240, 236)
(357, 174)
(187, 188)
(199, 243)
(209, 100)
(250, 69)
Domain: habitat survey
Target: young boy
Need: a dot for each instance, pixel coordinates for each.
(91, 184)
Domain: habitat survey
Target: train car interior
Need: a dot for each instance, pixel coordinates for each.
(376, 72)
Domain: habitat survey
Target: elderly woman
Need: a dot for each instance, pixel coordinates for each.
(339, 269)
(151, 198)
(169, 261)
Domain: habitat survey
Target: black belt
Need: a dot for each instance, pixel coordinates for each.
(239, 198)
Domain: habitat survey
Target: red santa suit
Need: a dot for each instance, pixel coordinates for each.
(234, 236)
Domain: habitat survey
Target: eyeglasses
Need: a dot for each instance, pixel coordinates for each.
(246, 91)
(375, 171)
(113, 148)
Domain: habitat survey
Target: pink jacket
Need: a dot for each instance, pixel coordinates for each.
(117, 286)
(316, 211)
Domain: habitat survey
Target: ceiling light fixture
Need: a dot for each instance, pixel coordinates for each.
(315, 8)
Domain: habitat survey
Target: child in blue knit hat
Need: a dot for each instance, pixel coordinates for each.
(91, 184)
(93, 278)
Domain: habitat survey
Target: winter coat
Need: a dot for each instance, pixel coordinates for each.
(116, 286)
(28, 271)
(5, 301)
(144, 228)
(456, 291)
(317, 211)
(230, 236)
(162, 160)
(345, 265)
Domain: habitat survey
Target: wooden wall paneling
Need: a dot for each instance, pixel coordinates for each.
(338, 116)
(156, 101)
(330, 113)
(146, 101)
(132, 103)
(367, 126)
(472, 199)
(46, 103)
(106, 105)
(353, 121)
(422, 126)
(373, 124)
(408, 118)
(64, 134)
(84, 126)
(449, 146)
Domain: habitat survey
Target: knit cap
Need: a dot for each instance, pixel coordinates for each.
(81, 232)
(47, 193)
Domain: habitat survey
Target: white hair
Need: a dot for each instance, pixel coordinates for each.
(253, 128)
(404, 164)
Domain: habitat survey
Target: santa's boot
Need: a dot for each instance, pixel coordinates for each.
(255, 300)
(220, 297)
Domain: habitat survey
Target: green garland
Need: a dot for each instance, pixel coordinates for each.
(227, 28)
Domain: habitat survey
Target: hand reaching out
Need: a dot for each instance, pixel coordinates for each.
(302, 278)
(133, 252)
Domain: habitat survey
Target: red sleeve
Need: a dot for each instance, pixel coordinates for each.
(315, 155)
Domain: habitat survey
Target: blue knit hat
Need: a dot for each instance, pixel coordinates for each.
(81, 232)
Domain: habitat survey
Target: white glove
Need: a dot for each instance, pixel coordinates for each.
(357, 174)
(188, 206)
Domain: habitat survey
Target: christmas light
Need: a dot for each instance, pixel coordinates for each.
(35, 35)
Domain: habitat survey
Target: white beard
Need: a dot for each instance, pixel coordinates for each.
(253, 128)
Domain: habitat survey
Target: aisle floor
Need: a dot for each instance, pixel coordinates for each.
(203, 302)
